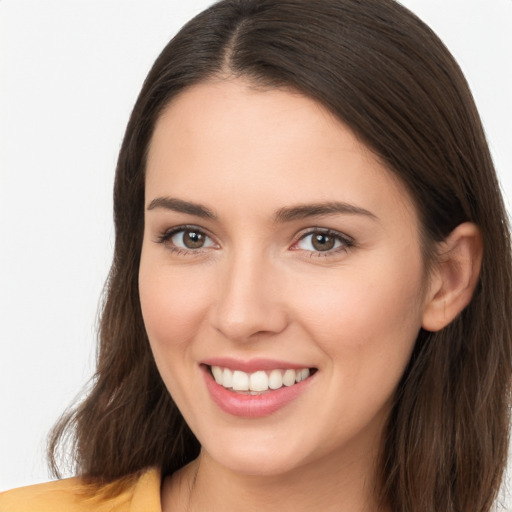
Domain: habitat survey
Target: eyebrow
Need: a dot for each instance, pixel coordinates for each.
(304, 211)
(180, 206)
(286, 214)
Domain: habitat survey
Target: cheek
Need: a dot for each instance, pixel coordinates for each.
(173, 301)
(366, 319)
(366, 324)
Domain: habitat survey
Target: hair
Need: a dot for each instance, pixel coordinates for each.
(388, 77)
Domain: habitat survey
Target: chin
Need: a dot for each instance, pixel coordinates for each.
(261, 456)
(260, 465)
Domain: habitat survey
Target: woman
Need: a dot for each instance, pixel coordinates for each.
(309, 301)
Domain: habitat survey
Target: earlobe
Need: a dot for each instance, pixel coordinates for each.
(454, 277)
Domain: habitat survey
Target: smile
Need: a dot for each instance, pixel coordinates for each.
(260, 381)
(260, 391)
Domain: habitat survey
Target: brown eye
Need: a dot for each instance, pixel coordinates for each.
(193, 239)
(322, 241)
(186, 239)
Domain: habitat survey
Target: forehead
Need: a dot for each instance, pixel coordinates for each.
(227, 142)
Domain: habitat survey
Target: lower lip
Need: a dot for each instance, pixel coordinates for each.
(253, 406)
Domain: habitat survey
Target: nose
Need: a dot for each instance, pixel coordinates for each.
(250, 303)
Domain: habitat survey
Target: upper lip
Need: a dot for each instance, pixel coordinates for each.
(252, 365)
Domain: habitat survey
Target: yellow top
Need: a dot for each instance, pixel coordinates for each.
(69, 495)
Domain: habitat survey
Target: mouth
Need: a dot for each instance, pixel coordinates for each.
(260, 381)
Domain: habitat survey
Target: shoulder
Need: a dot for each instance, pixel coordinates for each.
(141, 494)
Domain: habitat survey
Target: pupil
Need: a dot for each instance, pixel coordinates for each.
(323, 242)
(193, 239)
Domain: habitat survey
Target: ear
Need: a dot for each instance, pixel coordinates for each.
(454, 278)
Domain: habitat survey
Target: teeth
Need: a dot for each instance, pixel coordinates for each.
(289, 377)
(217, 374)
(227, 378)
(275, 379)
(240, 381)
(302, 375)
(258, 381)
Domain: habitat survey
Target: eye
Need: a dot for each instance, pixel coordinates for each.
(186, 238)
(323, 241)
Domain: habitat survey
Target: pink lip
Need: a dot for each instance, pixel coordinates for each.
(253, 406)
(252, 365)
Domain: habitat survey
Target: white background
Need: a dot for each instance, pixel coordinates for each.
(70, 71)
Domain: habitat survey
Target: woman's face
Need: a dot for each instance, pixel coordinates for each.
(276, 246)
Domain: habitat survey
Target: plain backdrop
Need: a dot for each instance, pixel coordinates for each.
(70, 71)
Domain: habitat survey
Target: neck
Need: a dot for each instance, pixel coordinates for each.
(329, 486)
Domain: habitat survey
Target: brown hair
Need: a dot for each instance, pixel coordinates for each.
(390, 79)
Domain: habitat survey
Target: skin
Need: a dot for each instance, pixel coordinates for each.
(258, 288)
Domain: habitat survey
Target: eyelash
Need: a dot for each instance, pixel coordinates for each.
(345, 242)
(166, 236)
